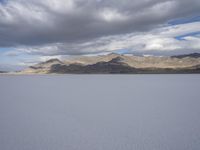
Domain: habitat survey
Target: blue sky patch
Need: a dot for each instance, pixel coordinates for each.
(181, 37)
(184, 20)
(5, 49)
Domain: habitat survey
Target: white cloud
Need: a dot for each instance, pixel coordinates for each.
(112, 15)
(42, 22)
(162, 39)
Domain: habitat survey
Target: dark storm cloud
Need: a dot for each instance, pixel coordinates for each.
(35, 22)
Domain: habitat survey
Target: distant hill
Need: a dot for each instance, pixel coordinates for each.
(193, 55)
(3, 72)
(116, 63)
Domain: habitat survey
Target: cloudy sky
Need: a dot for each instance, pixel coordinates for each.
(36, 30)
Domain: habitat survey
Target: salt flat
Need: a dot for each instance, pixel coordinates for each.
(100, 112)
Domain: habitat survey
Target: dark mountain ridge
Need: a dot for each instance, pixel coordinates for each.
(193, 55)
(119, 64)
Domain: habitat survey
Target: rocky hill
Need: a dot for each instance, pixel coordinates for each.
(115, 63)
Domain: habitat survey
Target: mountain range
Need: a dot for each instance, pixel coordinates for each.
(2, 72)
(118, 64)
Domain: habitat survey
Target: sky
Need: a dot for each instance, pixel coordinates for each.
(33, 30)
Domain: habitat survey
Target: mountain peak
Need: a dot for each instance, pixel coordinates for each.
(53, 60)
(117, 59)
